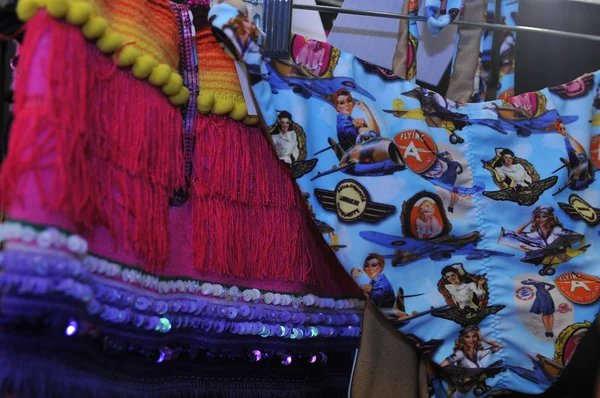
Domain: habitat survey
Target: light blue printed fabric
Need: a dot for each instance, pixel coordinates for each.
(473, 227)
(440, 13)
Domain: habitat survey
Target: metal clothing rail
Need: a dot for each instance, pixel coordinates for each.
(491, 26)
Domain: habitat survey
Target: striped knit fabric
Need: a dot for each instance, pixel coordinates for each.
(150, 25)
(216, 68)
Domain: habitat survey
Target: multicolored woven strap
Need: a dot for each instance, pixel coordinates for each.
(189, 72)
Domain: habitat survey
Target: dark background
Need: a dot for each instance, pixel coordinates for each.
(541, 61)
(546, 61)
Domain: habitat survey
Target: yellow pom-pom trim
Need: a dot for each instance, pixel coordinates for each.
(57, 8)
(205, 102)
(79, 13)
(26, 9)
(223, 104)
(143, 66)
(239, 112)
(173, 85)
(160, 75)
(181, 97)
(110, 42)
(251, 120)
(94, 27)
(127, 56)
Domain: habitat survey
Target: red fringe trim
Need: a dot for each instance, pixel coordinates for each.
(114, 141)
(249, 218)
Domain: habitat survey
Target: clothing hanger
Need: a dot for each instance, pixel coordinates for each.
(278, 24)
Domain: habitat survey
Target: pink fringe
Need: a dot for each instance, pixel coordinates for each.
(115, 142)
(249, 217)
(114, 145)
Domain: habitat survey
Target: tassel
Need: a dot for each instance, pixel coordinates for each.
(114, 142)
(249, 217)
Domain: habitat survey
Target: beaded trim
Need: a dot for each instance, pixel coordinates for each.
(46, 239)
(53, 238)
(37, 273)
(94, 27)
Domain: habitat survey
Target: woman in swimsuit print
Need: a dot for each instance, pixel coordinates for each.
(428, 225)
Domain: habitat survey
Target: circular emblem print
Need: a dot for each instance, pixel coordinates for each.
(351, 200)
(563, 308)
(525, 293)
(578, 287)
(418, 150)
(595, 150)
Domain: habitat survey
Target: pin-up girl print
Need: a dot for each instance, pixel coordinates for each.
(544, 240)
(379, 289)
(464, 366)
(466, 295)
(427, 223)
(350, 129)
(543, 303)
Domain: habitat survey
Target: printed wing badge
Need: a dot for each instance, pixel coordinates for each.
(300, 168)
(468, 316)
(525, 196)
(351, 202)
(579, 209)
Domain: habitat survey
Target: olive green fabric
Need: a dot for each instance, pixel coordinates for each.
(387, 365)
(467, 53)
(400, 55)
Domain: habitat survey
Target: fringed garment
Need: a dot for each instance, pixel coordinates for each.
(154, 244)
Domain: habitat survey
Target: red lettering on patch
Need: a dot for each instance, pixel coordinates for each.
(595, 150)
(418, 150)
(578, 287)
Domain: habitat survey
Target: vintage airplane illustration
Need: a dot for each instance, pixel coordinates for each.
(581, 172)
(524, 114)
(545, 371)
(371, 157)
(426, 349)
(467, 379)
(409, 250)
(538, 252)
(328, 230)
(523, 126)
(580, 168)
(476, 189)
(398, 315)
(399, 322)
(435, 109)
(438, 112)
(286, 75)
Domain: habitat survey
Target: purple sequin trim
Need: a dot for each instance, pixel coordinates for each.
(30, 272)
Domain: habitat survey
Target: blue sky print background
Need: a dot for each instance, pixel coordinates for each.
(542, 149)
(514, 327)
